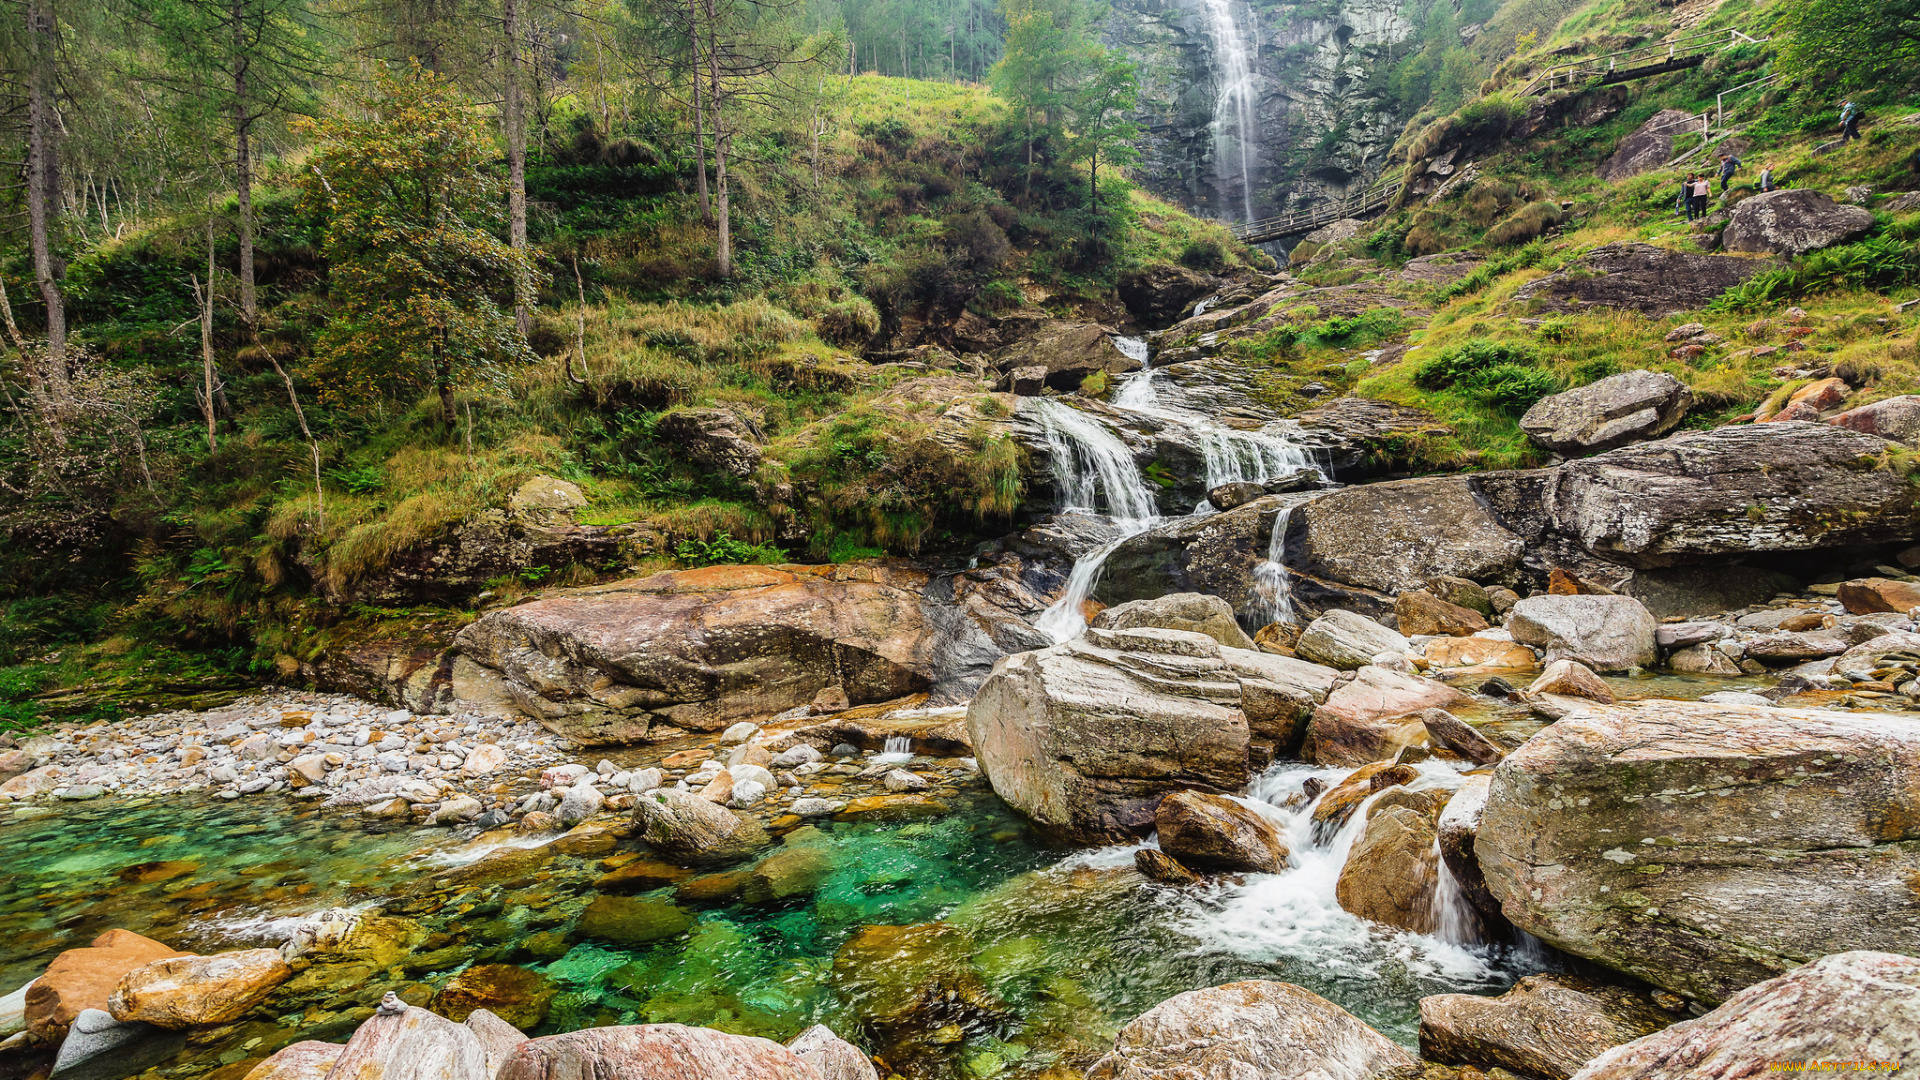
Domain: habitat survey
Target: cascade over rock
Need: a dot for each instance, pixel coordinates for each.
(1658, 838)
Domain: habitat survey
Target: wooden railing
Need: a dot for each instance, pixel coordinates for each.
(1370, 201)
(1654, 59)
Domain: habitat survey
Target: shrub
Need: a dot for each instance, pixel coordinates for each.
(1511, 387)
(1877, 263)
(1205, 253)
(838, 315)
(1590, 371)
(1524, 224)
(724, 550)
(1458, 363)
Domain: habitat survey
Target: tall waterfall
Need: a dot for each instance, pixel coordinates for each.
(1272, 600)
(1234, 132)
(1093, 470)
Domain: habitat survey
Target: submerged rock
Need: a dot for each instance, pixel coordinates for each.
(1850, 1007)
(189, 991)
(1546, 1026)
(1157, 865)
(510, 994)
(1248, 1031)
(1660, 838)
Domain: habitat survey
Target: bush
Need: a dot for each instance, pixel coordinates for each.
(1460, 363)
(724, 550)
(1204, 254)
(1510, 387)
(1524, 224)
(1877, 263)
(1592, 371)
(838, 315)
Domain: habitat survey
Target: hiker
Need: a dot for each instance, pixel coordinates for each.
(1702, 189)
(1728, 163)
(1685, 205)
(1766, 179)
(1849, 122)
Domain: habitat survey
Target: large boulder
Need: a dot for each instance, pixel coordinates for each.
(189, 991)
(1546, 1026)
(1639, 277)
(1370, 717)
(404, 1042)
(720, 439)
(81, 979)
(1344, 640)
(1248, 1031)
(1278, 695)
(1659, 838)
(1215, 554)
(1198, 612)
(702, 649)
(1067, 353)
(1896, 418)
(1614, 411)
(1649, 146)
(1394, 536)
(309, 1060)
(1214, 832)
(1792, 222)
(687, 828)
(833, 1057)
(1157, 295)
(1751, 487)
(1084, 737)
(1392, 870)
(654, 1052)
(1852, 1011)
(1605, 633)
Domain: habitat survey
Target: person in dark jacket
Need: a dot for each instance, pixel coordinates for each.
(1849, 122)
(1728, 163)
(1686, 196)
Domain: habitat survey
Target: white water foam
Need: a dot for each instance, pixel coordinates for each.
(899, 748)
(1272, 599)
(1133, 348)
(1093, 471)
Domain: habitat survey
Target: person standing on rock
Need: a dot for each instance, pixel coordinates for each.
(1728, 163)
(1849, 122)
(1702, 189)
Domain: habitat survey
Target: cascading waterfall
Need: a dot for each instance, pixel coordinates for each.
(1234, 107)
(1454, 919)
(1228, 455)
(1093, 470)
(899, 748)
(1272, 600)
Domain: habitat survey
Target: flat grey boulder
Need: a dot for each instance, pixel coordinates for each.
(1640, 277)
(1849, 1007)
(1793, 222)
(1605, 633)
(1249, 1031)
(1614, 411)
(1341, 639)
(1704, 848)
(1785, 486)
(1546, 1026)
(1394, 536)
(1198, 612)
(1648, 147)
(1085, 737)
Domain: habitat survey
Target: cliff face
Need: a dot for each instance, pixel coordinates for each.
(1320, 122)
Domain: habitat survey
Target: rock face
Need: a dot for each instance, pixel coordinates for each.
(683, 826)
(1344, 640)
(1392, 536)
(1771, 487)
(1793, 222)
(1657, 838)
(1458, 824)
(719, 439)
(1850, 1007)
(80, 979)
(1213, 832)
(1197, 612)
(1546, 1026)
(1248, 1031)
(1614, 411)
(402, 1042)
(1648, 148)
(1605, 633)
(1066, 353)
(188, 991)
(1640, 277)
(1392, 870)
(654, 1052)
(1370, 717)
(1215, 555)
(1083, 738)
(1158, 295)
(702, 649)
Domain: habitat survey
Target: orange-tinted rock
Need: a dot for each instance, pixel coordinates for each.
(1420, 612)
(302, 1061)
(514, 994)
(84, 979)
(191, 991)
(654, 1052)
(1866, 595)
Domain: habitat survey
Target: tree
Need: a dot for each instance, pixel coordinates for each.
(1103, 105)
(240, 61)
(413, 207)
(1042, 40)
(1853, 47)
(43, 182)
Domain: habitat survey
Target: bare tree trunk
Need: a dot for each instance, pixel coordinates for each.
(43, 186)
(515, 115)
(242, 166)
(208, 381)
(319, 493)
(721, 142)
(699, 114)
(579, 328)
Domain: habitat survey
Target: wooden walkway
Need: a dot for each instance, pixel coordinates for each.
(1371, 201)
(1655, 59)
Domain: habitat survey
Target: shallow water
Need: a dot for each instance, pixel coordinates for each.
(955, 946)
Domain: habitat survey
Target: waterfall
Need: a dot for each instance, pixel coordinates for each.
(1132, 348)
(1234, 107)
(1272, 600)
(1093, 470)
(1228, 455)
(1454, 918)
(898, 748)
